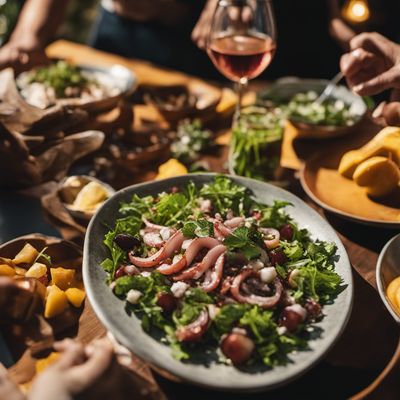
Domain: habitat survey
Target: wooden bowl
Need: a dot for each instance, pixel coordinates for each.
(176, 102)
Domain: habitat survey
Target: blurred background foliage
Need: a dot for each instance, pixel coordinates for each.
(77, 25)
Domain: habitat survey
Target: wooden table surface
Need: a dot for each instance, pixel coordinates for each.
(371, 336)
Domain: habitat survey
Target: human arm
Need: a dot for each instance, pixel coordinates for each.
(36, 26)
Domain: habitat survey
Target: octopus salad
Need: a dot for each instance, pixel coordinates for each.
(215, 270)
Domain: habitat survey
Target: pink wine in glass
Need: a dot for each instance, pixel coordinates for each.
(242, 56)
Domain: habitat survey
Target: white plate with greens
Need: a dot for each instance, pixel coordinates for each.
(90, 87)
(128, 305)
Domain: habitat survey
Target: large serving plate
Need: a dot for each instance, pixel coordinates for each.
(323, 183)
(207, 372)
(119, 80)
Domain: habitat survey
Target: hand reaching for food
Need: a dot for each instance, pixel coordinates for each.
(75, 371)
(8, 389)
(20, 59)
(371, 67)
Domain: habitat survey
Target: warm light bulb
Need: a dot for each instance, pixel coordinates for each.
(356, 11)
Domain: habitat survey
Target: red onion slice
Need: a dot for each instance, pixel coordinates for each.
(264, 302)
(195, 330)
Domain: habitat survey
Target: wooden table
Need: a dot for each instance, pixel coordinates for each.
(371, 336)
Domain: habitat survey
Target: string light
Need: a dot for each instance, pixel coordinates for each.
(356, 11)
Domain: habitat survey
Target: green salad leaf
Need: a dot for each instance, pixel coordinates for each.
(227, 195)
(199, 228)
(244, 239)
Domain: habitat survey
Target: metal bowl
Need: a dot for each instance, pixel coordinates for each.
(387, 269)
(284, 89)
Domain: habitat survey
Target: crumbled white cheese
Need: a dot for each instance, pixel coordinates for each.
(133, 296)
(165, 233)
(256, 264)
(146, 274)
(186, 244)
(178, 289)
(268, 274)
(281, 330)
(176, 258)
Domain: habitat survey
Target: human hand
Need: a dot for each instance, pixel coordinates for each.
(77, 369)
(387, 113)
(20, 58)
(373, 65)
(8, 389)
(203, 26)
(240, 15)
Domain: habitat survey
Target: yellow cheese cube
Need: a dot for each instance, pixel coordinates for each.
(6, 270)
(56, 302)
(62, 277)
(37, 270)
(27, 255)
(75, 296)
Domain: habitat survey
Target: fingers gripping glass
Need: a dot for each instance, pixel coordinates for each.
(242, 40)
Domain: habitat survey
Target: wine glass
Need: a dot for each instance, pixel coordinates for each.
(242, 40)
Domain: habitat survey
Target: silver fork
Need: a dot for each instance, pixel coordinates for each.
(329, 87)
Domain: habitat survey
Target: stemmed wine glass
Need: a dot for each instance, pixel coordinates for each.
(242, 40)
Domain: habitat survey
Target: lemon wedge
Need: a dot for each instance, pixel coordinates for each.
(90, 197)
(379, 175)
(170, 169)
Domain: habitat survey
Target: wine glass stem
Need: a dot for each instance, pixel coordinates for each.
(241, 87)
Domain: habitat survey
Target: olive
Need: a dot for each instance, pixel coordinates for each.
(277, 256)
(126, 241)
(292, 316)
(314, 309)
(167, 302)
(237, 347)
(287, 232)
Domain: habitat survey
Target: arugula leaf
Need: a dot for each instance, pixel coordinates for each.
(323, 253)
(228, 317)
(242, 239)
(199, 228)
(227, 195)
(191, 306)
(274, 216)
(293, 250)
(117, 254)
(178, 352)
(320, 285)
(272, 348)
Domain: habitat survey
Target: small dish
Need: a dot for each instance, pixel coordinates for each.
(387, 269)
(71, 187)
(175, 102)
(118, 80)
(283, 90)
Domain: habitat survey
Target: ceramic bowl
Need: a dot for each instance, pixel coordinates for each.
(207, 372)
